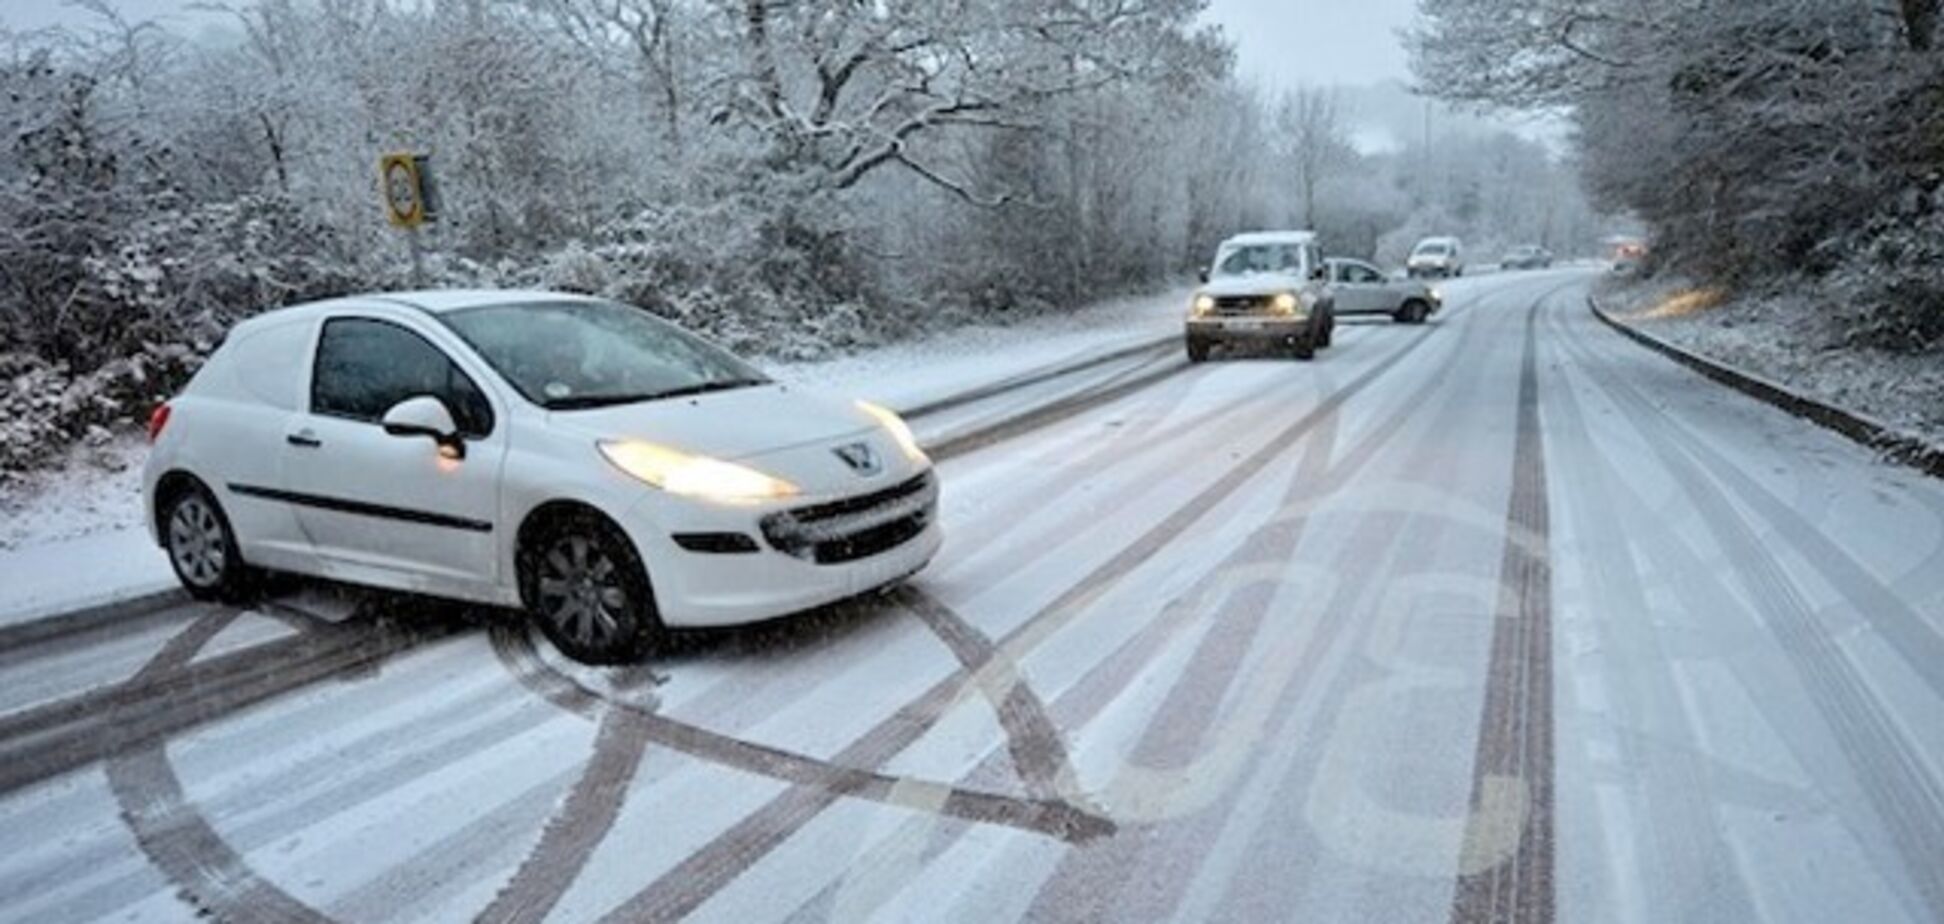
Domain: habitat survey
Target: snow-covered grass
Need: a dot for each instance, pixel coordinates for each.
(74, 536)
(1794, 338)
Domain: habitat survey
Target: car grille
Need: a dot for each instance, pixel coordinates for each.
(855, 528)
(1242, 304)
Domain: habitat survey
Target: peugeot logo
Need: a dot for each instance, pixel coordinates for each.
(861, 458)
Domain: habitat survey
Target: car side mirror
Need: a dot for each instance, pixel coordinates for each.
(426, 416)
(1203, 276)
(1320, 274)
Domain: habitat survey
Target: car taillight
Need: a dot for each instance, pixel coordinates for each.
(158, 419)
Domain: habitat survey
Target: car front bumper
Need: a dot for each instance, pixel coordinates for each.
(1249, 328)
(785, 563)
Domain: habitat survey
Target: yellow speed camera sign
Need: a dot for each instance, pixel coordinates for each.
(404, 181)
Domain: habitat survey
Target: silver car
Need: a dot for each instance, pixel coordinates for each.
(1361, 289)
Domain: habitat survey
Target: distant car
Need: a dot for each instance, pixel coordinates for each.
(1529, 257)
(1265, 288)
(1437, 258)
(1358, 288)
(605, 470)
(1626, 255)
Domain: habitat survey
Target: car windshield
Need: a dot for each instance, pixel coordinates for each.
(577, 355)
(1433, 250)
(1252, 259)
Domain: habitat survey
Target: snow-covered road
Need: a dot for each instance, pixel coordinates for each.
(1500, 618)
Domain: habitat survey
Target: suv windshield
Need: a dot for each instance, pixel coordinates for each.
(1433, 250)
(1250, 259)
(573, 355)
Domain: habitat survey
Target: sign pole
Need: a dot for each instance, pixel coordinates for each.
(418, 258)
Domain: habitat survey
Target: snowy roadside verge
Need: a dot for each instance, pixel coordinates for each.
(74, 539)
(1917, 449)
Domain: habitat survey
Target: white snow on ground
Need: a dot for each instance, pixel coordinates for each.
(75, 537)
(1793, 341)
(913, 373)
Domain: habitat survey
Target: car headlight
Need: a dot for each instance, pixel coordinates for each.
(1286, 303)
(1204, 304)
(690, 475)
(1437, 295)
(899, 430)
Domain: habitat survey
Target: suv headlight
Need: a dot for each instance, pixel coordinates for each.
(1286, 303)
(1204, 304)
(690, 475)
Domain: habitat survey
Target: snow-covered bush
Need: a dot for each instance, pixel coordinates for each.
(1891, 282)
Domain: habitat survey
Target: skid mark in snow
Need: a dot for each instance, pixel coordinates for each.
(1507, 864)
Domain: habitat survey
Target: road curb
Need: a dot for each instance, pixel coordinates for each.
(41, 629)
(1896, 445)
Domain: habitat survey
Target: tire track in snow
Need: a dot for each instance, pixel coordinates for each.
(211, 876)
(1100, 685)
(1686, 861)
(710, 869)
(1515, 742)
(1118, 869)
(153, 705)
(1906, 798)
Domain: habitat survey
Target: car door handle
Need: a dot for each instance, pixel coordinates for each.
(304, 440)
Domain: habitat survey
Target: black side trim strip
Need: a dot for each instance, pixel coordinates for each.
(360, 508)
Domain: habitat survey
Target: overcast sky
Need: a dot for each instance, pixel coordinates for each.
(1319, 42)
(1281, 42)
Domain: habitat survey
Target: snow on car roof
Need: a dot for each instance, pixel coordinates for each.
(442, 301)
(1272, 237)
(435, 301)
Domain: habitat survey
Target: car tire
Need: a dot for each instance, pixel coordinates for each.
(201, 546)
(1413, 312)
(587, 589)
(1303, 348)
(1326, 334)
(1197, 350)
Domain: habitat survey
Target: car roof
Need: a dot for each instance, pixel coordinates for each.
(1271, 237)
(439, 301)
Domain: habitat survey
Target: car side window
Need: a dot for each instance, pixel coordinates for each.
(1364, 274)
(366, 366)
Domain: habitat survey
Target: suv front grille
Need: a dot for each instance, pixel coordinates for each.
(855, 528)
(1242, 304)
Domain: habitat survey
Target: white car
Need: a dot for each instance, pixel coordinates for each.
(1440, 257)
(601, 468)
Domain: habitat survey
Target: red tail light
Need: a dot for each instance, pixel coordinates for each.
(158, 419)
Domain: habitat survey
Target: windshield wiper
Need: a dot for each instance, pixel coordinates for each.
(590, 402)
(707, 387)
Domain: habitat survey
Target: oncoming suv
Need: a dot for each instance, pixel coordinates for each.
(1265, 288)
(601, 468)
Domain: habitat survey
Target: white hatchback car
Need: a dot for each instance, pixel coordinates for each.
(582, 459)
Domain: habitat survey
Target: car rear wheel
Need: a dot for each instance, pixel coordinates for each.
(202, 547)
(586, 587)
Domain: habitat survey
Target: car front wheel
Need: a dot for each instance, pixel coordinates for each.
(587, 588)
(1197, 350)
(202, 546)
